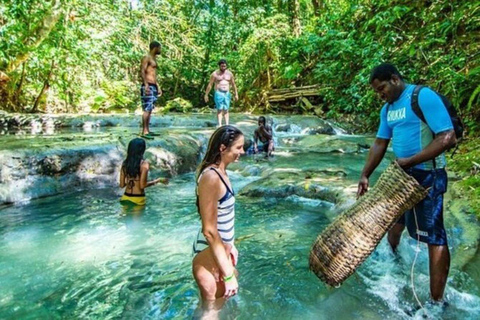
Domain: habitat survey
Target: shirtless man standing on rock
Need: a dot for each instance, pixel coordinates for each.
(149, 90)
(222, 97)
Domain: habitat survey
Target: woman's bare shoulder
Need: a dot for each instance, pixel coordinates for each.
(145, 165)
(209, 178)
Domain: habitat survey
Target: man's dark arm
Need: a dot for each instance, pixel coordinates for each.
(441, 142)
(375, 156)
(267, 132)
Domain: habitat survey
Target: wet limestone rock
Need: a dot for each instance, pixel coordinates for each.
(175, 154)
(29, 174)
(326, 144)
(308, 125)
(43, 170)
(320, 184)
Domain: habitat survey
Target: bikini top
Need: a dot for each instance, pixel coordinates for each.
(131, 182)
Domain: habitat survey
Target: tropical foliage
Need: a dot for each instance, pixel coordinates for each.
(83, 56)
(466, 164)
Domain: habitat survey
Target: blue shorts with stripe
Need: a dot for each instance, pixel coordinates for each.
(148, 101)
(429, 212)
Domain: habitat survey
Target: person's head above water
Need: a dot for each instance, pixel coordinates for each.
(261, 120)
(221, 141)
(155, 45)
(136, 149)
(387, 82)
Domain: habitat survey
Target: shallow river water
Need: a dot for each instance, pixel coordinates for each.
(82, 255)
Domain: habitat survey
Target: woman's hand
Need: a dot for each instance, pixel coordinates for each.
(165, 181)
(154, 182)
(231, 286)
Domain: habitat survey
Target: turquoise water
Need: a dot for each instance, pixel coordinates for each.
(81, 256)
(84, 256)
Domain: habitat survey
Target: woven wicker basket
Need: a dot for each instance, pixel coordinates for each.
(352, 237)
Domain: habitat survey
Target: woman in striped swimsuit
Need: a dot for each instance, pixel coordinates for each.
(215, 252)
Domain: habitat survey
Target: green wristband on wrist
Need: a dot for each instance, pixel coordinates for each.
(226, 279)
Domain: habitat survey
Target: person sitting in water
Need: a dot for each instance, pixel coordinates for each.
(134, 173)
(215, 258)
(264, 133)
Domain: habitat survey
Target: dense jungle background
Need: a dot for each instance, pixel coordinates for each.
(78, 56)
(84, 56)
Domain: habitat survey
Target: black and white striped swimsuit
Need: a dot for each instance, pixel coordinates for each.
(225, 218)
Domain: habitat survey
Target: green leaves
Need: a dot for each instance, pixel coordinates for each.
(96, 47)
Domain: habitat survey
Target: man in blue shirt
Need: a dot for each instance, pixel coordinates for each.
(419, 148)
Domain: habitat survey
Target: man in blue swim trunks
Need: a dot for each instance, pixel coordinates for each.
(419, 148)
(149, 90)
(222, 78)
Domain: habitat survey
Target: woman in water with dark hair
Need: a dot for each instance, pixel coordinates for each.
(215, 252)
(134, 172)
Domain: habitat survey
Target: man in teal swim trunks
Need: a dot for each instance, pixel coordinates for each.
(222, 78)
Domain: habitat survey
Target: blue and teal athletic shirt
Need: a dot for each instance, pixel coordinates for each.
(409, 134)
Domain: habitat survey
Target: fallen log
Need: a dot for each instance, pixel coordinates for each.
(293, 89)
(278, 95)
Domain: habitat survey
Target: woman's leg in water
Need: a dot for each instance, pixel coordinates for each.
(207, 276)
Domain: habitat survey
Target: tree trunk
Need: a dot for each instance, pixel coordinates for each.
(297, 29)
(20, 85)
(177, 80)
(46, 86)
(236, 38)
(318, 7)
(210, 37)
(269, 85)
(41, 33)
